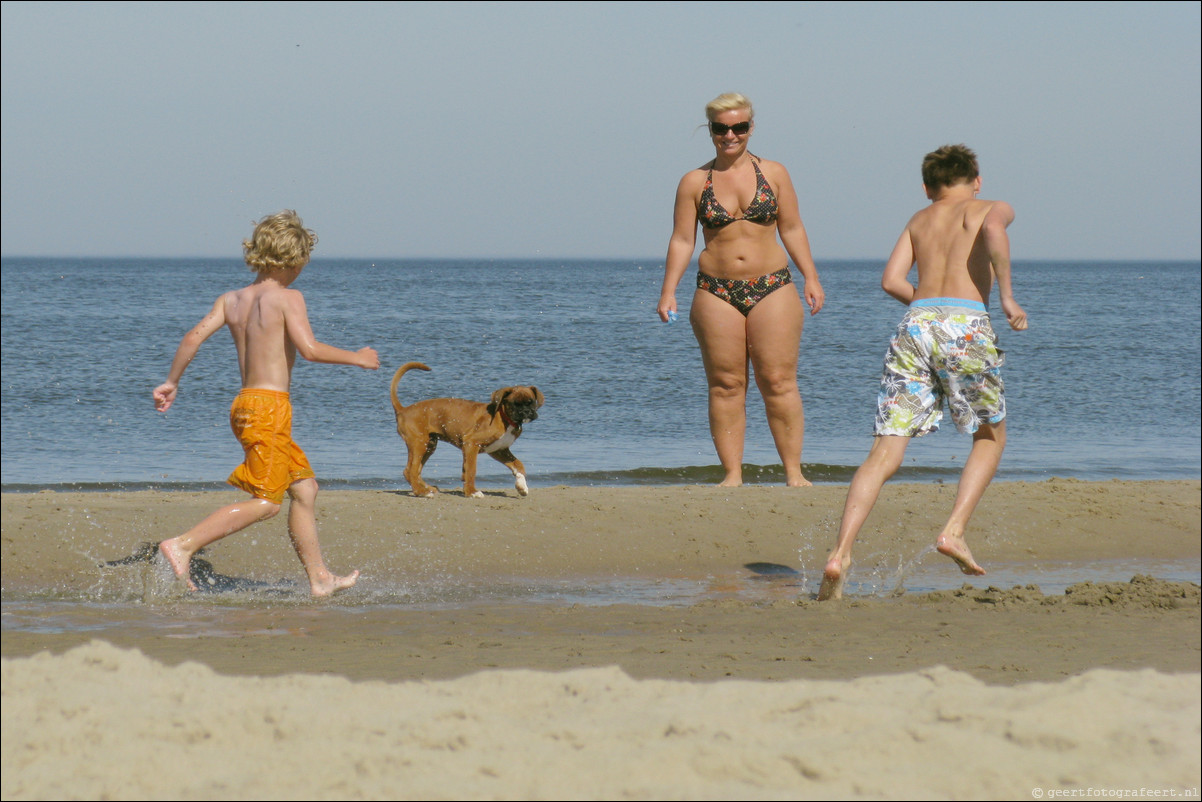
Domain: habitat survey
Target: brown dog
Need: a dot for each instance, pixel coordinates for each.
(470, 426)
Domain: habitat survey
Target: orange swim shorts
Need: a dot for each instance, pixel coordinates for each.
(262, 422)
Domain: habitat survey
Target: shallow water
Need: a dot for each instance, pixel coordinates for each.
(144, 599)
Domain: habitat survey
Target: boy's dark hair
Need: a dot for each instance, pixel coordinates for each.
(951, 164)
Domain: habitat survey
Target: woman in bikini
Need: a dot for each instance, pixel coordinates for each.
(746, 308)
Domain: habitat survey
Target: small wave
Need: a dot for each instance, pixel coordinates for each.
(646, 476)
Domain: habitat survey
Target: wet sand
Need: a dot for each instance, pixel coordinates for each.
(753, 690)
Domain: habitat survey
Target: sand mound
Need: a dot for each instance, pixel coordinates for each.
(1142, 592)
(101, 722)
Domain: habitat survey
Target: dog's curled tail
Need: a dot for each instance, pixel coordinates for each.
(396, 378)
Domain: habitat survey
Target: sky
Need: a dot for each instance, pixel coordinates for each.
(560, 130)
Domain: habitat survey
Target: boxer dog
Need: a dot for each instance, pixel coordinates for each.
(470, 426)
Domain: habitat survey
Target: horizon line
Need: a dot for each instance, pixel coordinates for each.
(541, 257)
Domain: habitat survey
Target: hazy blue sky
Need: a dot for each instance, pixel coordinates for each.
(562, 129)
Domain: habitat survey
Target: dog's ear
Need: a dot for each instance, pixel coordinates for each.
(498, 398)
(538, 395)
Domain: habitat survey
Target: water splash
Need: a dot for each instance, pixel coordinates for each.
(904, 568)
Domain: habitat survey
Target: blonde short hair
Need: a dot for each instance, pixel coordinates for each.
(280, 242)
(729, 101)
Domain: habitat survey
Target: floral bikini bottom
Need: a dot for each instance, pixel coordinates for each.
(744, 294)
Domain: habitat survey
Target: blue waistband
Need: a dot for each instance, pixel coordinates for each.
(962, 303)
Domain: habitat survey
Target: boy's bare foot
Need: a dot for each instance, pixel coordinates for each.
(957, 549)
(799, 482)
(333, 584)
(731, 483)
(834, 577)
(181, 564)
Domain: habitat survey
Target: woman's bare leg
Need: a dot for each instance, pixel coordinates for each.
(773, 342)
(721, 332)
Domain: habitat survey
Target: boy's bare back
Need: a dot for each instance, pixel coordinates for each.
(959, 244)
(950, 251)
(260, 318)
(270, 325)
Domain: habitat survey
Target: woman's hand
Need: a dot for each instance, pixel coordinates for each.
(666, 308)
(814, 296)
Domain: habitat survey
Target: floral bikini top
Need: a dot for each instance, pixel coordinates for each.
(762, 208)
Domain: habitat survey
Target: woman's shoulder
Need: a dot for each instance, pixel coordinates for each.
(768, 164)
(696, 176)
(775, 172)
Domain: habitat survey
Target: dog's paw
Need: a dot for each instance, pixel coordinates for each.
(520, 484)
(429, 492)
(477, 494)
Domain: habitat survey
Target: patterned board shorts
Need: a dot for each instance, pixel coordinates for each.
(943, 348)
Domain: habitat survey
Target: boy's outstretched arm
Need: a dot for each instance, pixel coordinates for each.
(164, 394)
(1000, 216)
(895, 279)
(296, 319)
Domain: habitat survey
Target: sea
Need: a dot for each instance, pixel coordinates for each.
(1103, 385)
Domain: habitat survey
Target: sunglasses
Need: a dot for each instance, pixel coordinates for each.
(720, 129)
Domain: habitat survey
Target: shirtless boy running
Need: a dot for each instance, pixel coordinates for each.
(943, 348)
(270, 326)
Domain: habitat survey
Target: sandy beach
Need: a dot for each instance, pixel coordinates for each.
(748, 689)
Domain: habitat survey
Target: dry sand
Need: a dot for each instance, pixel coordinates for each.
(970, 692)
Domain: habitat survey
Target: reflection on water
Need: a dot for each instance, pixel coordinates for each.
(148, 598)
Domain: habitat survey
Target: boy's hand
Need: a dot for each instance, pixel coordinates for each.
(368, 359)
(1014, 315)
(164, 396)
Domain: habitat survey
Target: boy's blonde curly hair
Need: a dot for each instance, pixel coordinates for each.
(279, 242)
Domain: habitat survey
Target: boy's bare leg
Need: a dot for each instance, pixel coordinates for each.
(882, 461)
(721, 333)
(229, 519)
(773, 341)
(987, 445)
(302, 528)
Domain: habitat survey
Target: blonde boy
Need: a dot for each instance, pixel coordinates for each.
(944, 348)
(270, 327)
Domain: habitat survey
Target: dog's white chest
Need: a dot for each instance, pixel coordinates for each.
(504, 441)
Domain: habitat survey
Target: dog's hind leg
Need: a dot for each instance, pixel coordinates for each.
(418, 456)
(506, 458)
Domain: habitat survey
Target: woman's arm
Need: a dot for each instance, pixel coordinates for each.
(793, 236)
(681, 245)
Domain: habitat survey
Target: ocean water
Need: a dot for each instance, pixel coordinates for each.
(1105, 383)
